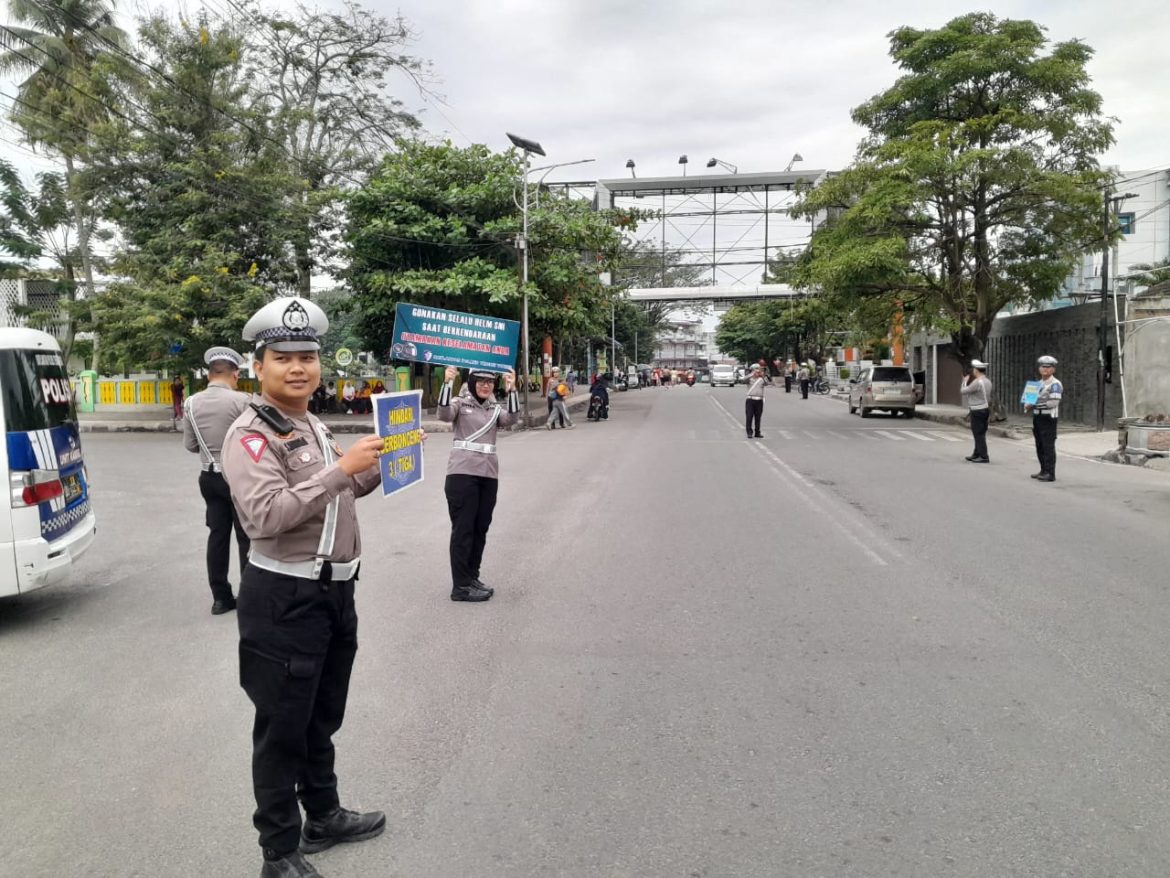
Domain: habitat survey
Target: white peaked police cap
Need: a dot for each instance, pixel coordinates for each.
(223, 355)
(289, 323)
(1046, 361)
(979, 364)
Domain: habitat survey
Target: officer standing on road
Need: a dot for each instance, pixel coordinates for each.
(294, 491)
(208, 414)
(1045, 413)
(804, 376)
(754, 404)
(976, 393)
(473, 471)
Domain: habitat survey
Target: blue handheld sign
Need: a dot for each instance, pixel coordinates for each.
(452, 338)
(398, 420)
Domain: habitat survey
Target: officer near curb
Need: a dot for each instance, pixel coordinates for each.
(294, 491)
(473, 471)
(1045, 413)
(208, 414)
(976, 394)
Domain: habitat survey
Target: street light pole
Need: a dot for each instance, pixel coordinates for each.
(548, 169)
(526, 146)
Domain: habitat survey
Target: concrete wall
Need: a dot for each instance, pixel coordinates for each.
(1147, 356)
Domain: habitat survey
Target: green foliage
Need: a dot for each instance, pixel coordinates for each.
(776, 328)
(199, 199)
(977, 186)
(435, 225)
(19, 229)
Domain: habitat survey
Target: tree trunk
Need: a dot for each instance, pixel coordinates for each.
(83, 244)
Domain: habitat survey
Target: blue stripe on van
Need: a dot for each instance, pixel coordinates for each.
(65, 444)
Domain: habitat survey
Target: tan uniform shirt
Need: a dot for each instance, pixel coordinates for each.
(281, 487)
(470, 418)
(211, 412)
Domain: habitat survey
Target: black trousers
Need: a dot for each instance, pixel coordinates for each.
(804, 388)
(298, 638)
(470, 503)
(1044, 432)
(221, 521)
(979, 419)
(753, 411)
(788, 384)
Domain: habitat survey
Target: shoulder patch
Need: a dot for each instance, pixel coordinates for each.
(254, 444)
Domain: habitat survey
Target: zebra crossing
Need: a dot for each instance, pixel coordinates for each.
(856, 435)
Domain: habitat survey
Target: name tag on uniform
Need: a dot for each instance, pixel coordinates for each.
(294, 444)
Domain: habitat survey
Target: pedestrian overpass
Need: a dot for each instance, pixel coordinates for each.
(720, 298)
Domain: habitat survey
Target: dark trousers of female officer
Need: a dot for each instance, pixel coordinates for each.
(979, 419)
(470, 503)
(221, 520)
(1044, 432)
(298, 638)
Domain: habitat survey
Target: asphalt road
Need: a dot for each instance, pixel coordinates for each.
(839, 650)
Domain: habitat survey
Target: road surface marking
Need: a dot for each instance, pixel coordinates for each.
(916, 435)
(890, 435)
(946, 437)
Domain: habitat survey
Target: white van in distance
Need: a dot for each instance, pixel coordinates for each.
(46, 518)
(722, 374)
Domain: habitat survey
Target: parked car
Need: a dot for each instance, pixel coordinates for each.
(889, 388)
(722, 374)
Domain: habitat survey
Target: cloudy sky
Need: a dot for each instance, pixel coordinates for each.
(750, 82)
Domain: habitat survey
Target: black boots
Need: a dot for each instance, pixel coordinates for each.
(473, 593)
(290, 866)
(219, 607)
(342, 825)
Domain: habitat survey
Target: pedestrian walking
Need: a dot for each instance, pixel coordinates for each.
(178, 389)
(754, 405)
(976, 394)
(208, 415)
(572, 380)
(473, 472)
(804, 376)
(294, 491)
(551, 396)
(1045, 413)
(558, 393)
(789, 376)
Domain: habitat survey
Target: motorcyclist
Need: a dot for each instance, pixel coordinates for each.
(600, 390)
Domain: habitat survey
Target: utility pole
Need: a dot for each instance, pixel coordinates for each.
(1111, 204)
(526, 146)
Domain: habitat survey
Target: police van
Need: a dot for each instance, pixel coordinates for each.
(45, 520)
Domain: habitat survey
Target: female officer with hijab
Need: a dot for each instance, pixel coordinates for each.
(473, 471)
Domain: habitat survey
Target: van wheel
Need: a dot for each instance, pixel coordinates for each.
(863, 411)
(909, 413)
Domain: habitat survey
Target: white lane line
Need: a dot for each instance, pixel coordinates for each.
(946, 437)
(890, 435)
(916, 435)
(810, 434)
(858, 532)
(840, 435)
(785, 434)
(868, 434)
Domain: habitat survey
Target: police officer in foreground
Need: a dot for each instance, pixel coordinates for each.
(975, 392)
(1045, 413)
(473, 471)
(294, 491)
(208, 414)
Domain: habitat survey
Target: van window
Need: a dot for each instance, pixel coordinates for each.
(36, 390)
(892, 373)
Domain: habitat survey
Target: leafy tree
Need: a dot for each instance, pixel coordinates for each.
(200, 199)
(19, 231)
(645, 265)
(774, 328)
(978, 184)
(60, 48)
(436, 225)
(322, 79)
(782, 269)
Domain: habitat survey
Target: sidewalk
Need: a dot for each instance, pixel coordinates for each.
(157, 419)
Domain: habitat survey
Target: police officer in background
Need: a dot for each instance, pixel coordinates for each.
(208, 414)
(1045, 413)
(294, 491)
(976, 392)
(473, 471)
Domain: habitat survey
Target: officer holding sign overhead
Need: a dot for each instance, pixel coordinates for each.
(294, 491)
(473, 471)
(208, 414)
